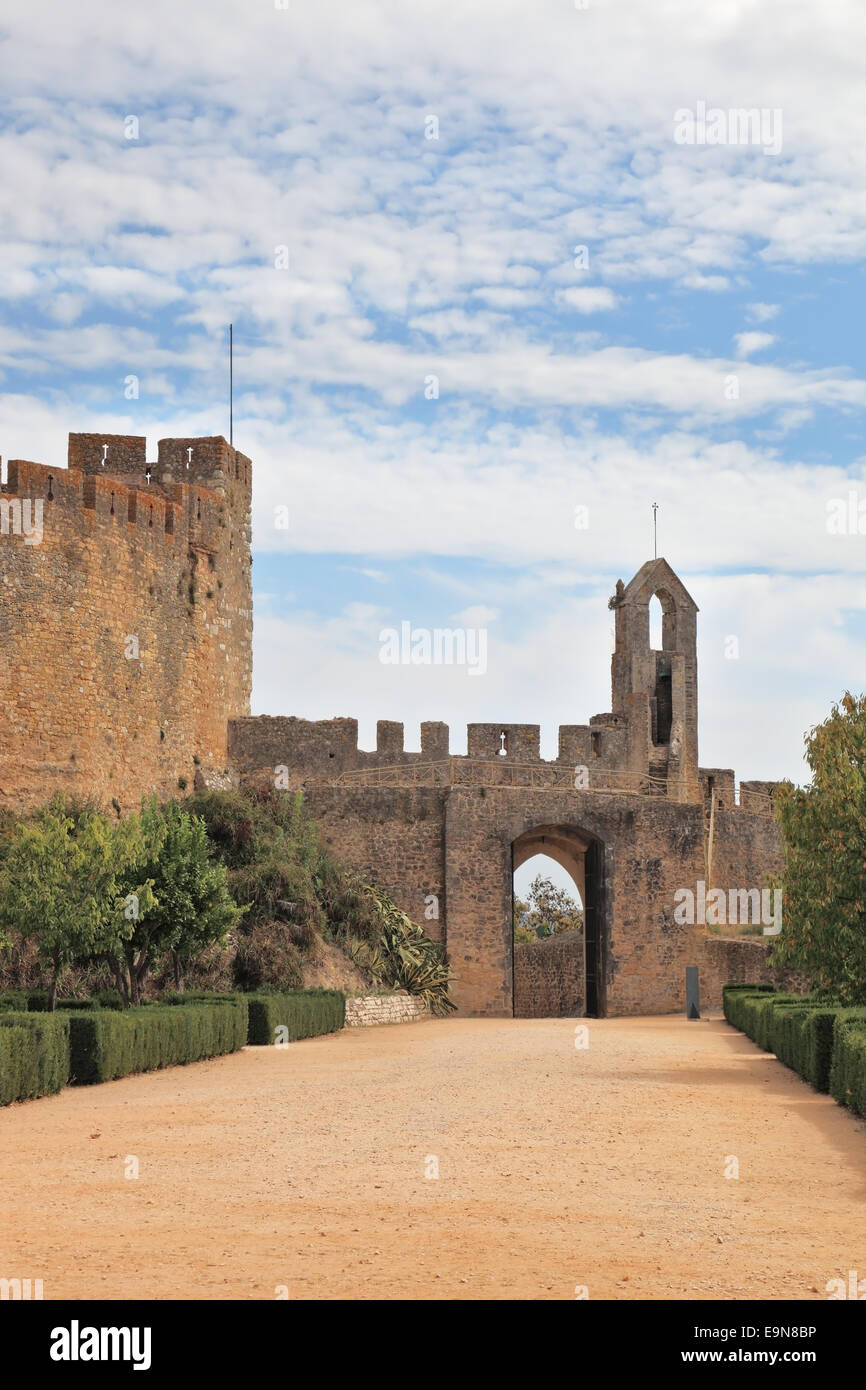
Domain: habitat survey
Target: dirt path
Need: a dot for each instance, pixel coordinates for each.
(305, 1167)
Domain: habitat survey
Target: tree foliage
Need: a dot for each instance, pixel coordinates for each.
(189, 907)
(548, 911)
(823, 828)
(61, 884)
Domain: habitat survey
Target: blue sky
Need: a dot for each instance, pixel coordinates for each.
(281, 175)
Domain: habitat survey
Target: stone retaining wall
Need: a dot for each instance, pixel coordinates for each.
(742, 960)
(384, 1008)
(549, 977)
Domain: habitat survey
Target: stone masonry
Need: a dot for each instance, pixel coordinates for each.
(126, 627)
(624, 806)
(125, 669)
(374, 1009)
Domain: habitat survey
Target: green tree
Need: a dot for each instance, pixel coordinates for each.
(60, 885)
(823, 828)
(189, 909)
(548, 911)
(520, 911)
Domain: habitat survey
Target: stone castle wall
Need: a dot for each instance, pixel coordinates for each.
(125, 668)
(549, 977)
(126, 628)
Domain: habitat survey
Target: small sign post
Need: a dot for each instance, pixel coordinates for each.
(693, 998)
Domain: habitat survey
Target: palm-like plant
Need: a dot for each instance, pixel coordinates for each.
(409, 959)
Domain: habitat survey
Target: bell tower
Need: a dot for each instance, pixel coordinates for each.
(656, 690)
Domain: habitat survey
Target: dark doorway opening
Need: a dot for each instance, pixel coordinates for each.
(664, 708)
(593, 917)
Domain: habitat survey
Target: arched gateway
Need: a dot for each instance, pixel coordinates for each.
(563, 975)
(624, 802)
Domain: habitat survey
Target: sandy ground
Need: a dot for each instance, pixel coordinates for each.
(305, 1167)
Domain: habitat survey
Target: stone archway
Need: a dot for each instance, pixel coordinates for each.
(562, 976)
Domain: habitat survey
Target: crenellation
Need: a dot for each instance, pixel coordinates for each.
(519, 742)
(435, 741)
(389, 739)
(722, 782)
(573, 746)
(108, 453)
(38, 480)
(198, 460)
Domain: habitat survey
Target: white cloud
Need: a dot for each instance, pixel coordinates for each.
(752, 341)
(588, 299)
(763, 313)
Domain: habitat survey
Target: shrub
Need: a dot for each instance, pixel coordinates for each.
(407, 959)
(107, 999)
(817, 1057)
(266, 959)
(15, 1001)
(732, 996)
(105, 1044)
(34, 1055)
(848, 1068)
(805, 1033)
(738, 1006)
(304, 1013)
(753, 1010)
(239, 1001)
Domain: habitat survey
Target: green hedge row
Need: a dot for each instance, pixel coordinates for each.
(104, 1044)
(848, 1069)
(92, 1040)
(304, 1013)
(36, 1001)
(823, 1042)
(34, 1055)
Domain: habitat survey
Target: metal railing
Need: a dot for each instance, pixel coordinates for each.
(475, 772)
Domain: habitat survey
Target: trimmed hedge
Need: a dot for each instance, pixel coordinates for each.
(303, 1012)
(91, 1040)
(36, 1001)
(237, 1000)
(739, 1002)
(848, 1069)
(823, 1042)
(104, 1044)
(788, 1034)
(34, 1055)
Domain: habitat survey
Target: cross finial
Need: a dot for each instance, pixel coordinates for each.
(655, 531)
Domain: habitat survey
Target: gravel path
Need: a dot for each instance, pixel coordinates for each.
(306, 1167)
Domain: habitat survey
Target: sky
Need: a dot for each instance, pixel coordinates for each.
(489, 304)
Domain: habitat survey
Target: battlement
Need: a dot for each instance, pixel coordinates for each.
(209, 460)
(188, 503)
(313, 751)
